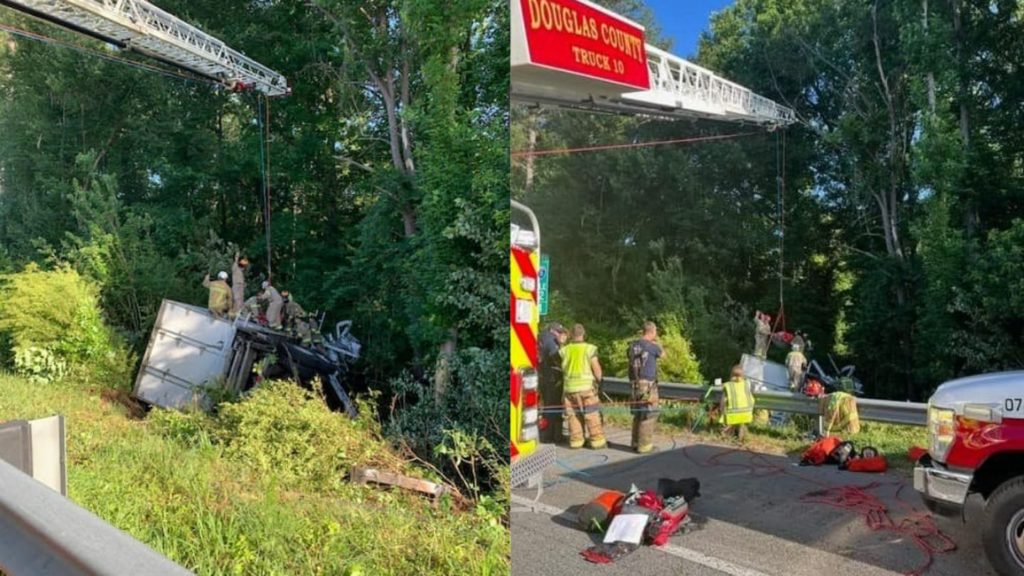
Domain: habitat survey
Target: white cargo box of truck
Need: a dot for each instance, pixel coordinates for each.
(188, 350)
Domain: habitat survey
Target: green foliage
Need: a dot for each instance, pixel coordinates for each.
(679, 364)
(53, 323)
(466, 425)
(286, 430)
(178, 492)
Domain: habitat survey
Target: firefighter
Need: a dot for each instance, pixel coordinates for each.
(762, 334)
(737, 403)
(643, 357)
(251, 309)
(550, 374)
(238, 284)
(274, 305)
(295, 319)
(219, 302)
(581, 371)
(796, 363)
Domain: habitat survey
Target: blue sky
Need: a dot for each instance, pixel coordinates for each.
(684, 20)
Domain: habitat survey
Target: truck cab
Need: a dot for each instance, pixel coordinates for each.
(976, 446)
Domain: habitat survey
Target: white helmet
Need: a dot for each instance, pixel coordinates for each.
(222, 275)
(265, 284)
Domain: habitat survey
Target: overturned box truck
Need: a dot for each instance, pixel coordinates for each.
(192, 353)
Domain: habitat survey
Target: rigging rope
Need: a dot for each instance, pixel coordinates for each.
(780, 205)
(263, 107)
(554, 151)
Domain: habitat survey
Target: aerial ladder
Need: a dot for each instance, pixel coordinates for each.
(140, 26)
(573, 54)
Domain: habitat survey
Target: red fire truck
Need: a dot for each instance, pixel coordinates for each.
(976, 445)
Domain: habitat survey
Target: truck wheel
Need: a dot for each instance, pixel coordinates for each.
(1003, 532)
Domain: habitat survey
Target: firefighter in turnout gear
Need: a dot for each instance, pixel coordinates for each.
(643, 355)
(581, 371)
(762, 334)
(737, 403)
(796, 363)
(238, 284)
(274, 305)
(220, 294)
(295, 319)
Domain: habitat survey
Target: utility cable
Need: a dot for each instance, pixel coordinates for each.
(560, 151)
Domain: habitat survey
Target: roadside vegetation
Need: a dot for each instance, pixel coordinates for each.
(258, 488)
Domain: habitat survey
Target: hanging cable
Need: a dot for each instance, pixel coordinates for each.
(261, 122)
(780, 207)
(523, 153)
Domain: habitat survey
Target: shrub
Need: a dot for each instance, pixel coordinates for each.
(288, 431)
(679, 364)
(52, 322)
(465, 429)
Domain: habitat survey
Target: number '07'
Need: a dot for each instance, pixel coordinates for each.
(1013, 404)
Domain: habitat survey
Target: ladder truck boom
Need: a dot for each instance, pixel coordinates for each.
(141, 26)
(576, 54)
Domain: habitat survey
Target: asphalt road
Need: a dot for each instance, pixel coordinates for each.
(752, 519)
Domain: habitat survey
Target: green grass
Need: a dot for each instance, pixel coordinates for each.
(891, 440)
(171, 483)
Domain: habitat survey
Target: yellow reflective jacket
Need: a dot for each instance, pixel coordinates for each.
(576, 366)
(739, 402)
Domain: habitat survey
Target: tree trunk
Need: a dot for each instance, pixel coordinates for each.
(930, 76)
(531, 146)
(442, 373)
(972, 220)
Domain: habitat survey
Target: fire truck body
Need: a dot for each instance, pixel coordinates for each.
(528, 457)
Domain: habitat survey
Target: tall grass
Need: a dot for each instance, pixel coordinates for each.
(188, 488)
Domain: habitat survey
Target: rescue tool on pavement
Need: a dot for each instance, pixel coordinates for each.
(976, 446)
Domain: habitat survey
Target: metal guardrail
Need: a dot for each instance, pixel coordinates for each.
(889, 411)
(41, 532)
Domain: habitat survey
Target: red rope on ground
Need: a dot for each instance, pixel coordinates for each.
(523, 153)
(918, 526)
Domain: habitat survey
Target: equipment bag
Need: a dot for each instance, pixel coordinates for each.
(819, 452)
(875, 464)
(668, 521)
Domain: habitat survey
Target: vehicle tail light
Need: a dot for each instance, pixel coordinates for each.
(531, 409)
(941, 432)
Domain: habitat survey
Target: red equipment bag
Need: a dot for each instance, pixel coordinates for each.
(873, 464)
(818, 453)
(668, 522)
(782, 339)
(813, 388)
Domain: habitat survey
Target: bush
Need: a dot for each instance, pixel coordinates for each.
(679, 364)
(288, 431)
(52, 323)
(465, 430)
